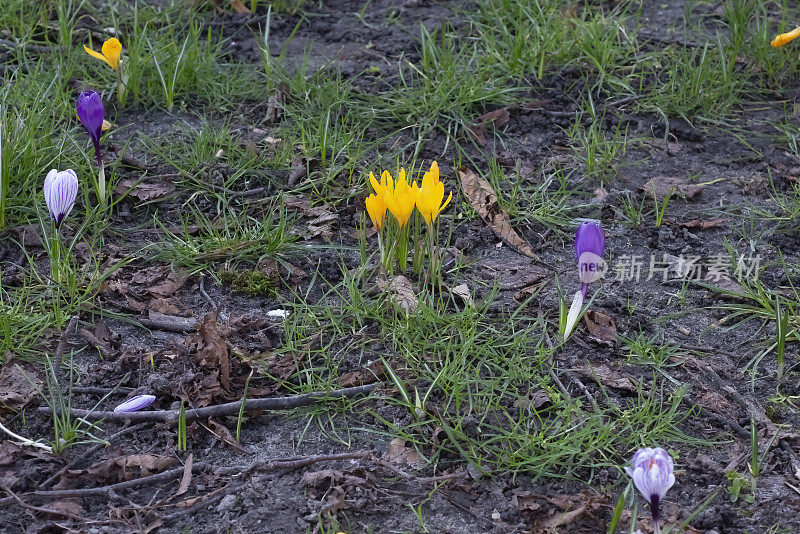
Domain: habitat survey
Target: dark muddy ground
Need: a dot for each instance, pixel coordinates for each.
(337, 465)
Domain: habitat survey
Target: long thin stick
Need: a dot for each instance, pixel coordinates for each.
(271, 403)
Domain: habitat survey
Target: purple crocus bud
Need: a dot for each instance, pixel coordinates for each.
(590, 243)
(652, 475)
(91, 114)
(136, 403)
(60, 190)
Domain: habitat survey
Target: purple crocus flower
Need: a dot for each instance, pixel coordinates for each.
(91, 114)
(590, 243)
(60, 191)
(136, 403)
(652, 475)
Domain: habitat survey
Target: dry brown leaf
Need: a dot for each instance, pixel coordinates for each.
(239, 7)
(398, 453)
(696, 223)
(9, 451)
(186, 479)
(524, 500)
(129, 467)
(212, 350)
(145, 189)
(601, 327)
(462, 291)
(373, 372)
(608, 376)
(222, 432)
(15, 390)
(498, 118)
(564, 518)
(482, 197)
(661, 186)
(402, 293)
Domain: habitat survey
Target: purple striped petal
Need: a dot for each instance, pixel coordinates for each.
(136, 403)
(60, 191)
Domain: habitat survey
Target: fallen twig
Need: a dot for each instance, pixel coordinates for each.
(62, 513)
(414, 478)
(230, 408)
(171, 323)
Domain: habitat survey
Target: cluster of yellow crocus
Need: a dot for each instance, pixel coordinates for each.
(784, 38)
(400, 198)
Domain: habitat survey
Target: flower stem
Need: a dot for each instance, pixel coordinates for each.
(101, 185)
(654, 502)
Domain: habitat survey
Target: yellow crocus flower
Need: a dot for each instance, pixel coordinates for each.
(376, 207)
(386, 183)
(784, 38)
(429, 197)
(112, 50)
(400, 199)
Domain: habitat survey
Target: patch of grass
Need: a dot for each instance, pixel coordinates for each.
(650, 350)
(231, 238)
(477, 384)
(600, 150)
(695, 82)
(452, 83)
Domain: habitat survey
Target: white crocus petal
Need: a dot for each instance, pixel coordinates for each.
(60, 191)
(135, 403)
(574, 314)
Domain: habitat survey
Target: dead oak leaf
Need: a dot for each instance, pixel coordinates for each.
(401, 292)
(146, 189)
(129, 467)
(524, 500)
(17, 386)
(498, 118)
(608, 376)
(398, 453)
(696, 223)
(483, 199)
(212, 349)
(602, 327)
(661, 186)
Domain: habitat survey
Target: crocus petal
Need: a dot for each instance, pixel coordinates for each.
(91, 114)
(574, 313)
(60, 191)
(376, 208)
(590, 243)
(784, 38)
(112, 49)
(135, 403)
(98, 55)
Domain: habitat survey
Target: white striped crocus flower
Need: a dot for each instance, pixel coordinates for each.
(134, 404)
(60, 191)
(652, 475)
